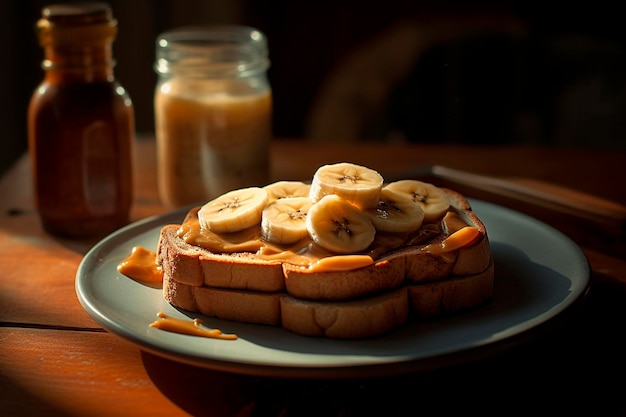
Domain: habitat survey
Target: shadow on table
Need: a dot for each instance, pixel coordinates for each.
(575, 357)
(525, 380)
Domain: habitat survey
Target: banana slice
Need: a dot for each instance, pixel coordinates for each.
(357, 184)
(286, 189)
(396, 212)
(284, 220)
(234, 211)
(434, 200)
(338, 226)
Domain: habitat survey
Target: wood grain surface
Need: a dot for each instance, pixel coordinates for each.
(56, 361)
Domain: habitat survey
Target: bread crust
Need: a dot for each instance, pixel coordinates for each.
(356, 319)
(441, 298)
(345, 285)
(193, 265)
(411, 282)
(238, 305)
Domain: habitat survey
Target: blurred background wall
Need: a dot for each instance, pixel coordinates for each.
(489, 72)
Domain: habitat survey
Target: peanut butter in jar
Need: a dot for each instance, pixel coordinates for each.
(213, 110)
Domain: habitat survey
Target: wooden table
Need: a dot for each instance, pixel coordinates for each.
(55, 360)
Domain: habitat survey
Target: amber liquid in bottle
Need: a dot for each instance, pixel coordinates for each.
(81, 126)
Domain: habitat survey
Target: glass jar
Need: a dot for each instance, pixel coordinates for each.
(80, 125)
(213, 110)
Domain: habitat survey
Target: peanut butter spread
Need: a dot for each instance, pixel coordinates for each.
(142, 266)
(306, 254)
(189, 327)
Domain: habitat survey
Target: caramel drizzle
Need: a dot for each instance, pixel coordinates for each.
(188, 327)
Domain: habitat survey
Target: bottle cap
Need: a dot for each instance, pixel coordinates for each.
(77, 23)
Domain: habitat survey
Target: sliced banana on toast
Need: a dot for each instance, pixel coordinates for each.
(434, 201)
(234, 211)
(340, 211)
(284, 220)
(396, 212)
(355, 183)
(286, 189)
(339, 226)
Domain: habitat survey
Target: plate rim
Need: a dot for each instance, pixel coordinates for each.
(418, 364)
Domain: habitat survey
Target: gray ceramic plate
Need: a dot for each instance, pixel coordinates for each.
(540, 273)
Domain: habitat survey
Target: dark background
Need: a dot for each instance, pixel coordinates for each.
(560, 80)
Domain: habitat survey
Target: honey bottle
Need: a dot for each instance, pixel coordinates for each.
(81, 125)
